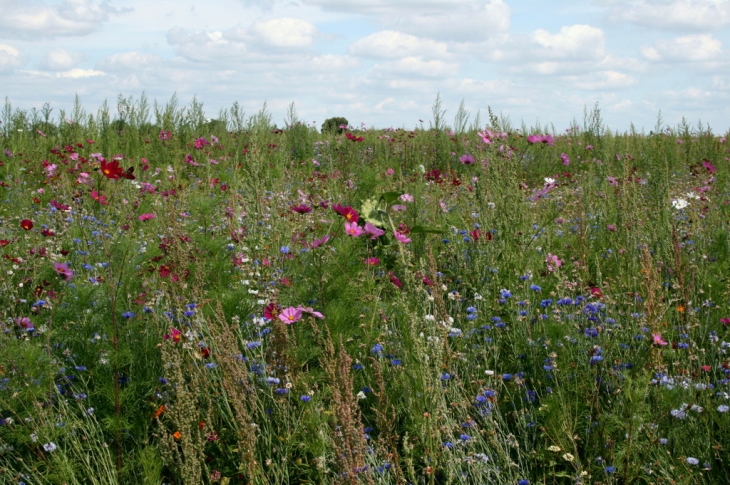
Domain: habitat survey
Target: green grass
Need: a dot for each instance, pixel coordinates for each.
(462, 356)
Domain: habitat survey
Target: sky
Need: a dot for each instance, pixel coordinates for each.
(379, 63)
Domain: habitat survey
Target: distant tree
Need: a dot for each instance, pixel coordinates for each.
(333, 125)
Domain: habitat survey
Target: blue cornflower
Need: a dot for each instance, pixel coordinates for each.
(464, 437)
(445, 376)
(377, 350)
(504, 293)
(692, 460)
(471, 309)
(535, 288)
(305, 398)
(610, 469)
(523, 482)
(211, 365)
(127, 314)
(285, 250)
(396, 362)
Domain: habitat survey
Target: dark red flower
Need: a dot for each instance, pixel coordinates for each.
(272, 311)
(26, 224)
(111, 170)
(301, 209)
(347, 212)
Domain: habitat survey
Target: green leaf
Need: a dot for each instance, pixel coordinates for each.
(390, 197)
(425, 230)
(373, 213)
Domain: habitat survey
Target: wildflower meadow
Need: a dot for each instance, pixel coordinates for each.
(194, 301)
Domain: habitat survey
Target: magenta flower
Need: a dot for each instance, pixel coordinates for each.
(175, 335)
(402, 238)
(63, 270)
(394, 279)
(466, 159)
(310, 311)
(146, 217)
(290, 315)
(372, 261)
(373, 231)
(725, 321)
(352, 229)
(565, 159)
(658, 340)
(553, 262)
(547, 139)
(301, 209)
(318, 242)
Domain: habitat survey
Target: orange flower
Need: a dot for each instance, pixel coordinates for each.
(680, 309)
(159, 411)
(177, 435)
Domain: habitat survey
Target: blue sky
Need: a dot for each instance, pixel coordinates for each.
(379, 62)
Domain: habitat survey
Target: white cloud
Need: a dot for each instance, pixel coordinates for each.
(415, 66)
(388, 44)
(454, 20)
(61, 60)
(602, 81)
(80, 73)
(9, 58)
(699, 15)
(284, 32)
(130, 61)
(33, 20)
(689, 48)
(573, 42)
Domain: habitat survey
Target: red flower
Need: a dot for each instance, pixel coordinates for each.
(347, 212)
(301, 209)
(111, 170)
(354, 138)
(26, 224)
(272, 311)
(725, 321)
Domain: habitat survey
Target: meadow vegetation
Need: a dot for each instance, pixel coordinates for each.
(190, 301)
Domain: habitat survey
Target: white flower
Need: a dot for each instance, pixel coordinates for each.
(361, 395)
(679, 203)
(49, 447)
(549, 181)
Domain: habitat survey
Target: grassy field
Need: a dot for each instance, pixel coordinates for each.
(190, 301)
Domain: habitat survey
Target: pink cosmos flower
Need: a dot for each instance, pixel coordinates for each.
(318, 242)
(406, 198)
(310, 311)
(565, 159)
(25, 323)
(372, 261)
(146, 217)
(399, 208)
(658, 340)
(290, 315)
(402, 238)
(373, 231)
(352, 229)
(553, 262)
(63, 270)
(389, 172)
(466, 159)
